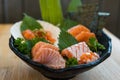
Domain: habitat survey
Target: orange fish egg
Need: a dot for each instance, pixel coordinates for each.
(81, 52)
(88, 57)
(75, 50)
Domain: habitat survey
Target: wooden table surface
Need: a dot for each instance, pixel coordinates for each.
(13, 68)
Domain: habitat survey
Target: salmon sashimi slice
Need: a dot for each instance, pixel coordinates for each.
(28, 34)
(36, 47)
(44, 34)
(47, 45)
(88, 57)
(81, 33)
(84, 36)
(76, 50)
(49, 37)
(81, 52)
(40, 44)
(50, 58)
(74, 31)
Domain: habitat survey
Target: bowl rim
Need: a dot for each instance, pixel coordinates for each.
(82, 66)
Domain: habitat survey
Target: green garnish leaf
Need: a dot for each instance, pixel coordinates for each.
(94, 45)
(29, 23)
(25, 46)
(66, 40)
(71, 62)
(67, 24)
(100, 46)
(22, 46)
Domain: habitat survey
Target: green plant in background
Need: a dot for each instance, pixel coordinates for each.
(51, 11)
(77, 12)
(86, 14)
(74, 5)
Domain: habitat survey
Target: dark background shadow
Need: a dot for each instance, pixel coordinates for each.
(12, 11)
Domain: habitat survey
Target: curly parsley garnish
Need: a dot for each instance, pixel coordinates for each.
(71, 62)
(94, 45)
(25, 46)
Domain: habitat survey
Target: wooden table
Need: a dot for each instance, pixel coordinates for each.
(12, 68)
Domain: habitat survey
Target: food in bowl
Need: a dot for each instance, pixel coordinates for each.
(53, 47)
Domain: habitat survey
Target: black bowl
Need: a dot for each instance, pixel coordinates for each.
(70, 72)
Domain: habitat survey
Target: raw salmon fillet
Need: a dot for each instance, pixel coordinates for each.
(84, 36)
(81, 52)
(50, 58)
(28, 34)
(76, 50)
(49, 37)
(74, 31)
(44, 45)
(81, 33)
(48, 55)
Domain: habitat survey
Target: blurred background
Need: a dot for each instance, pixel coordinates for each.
(12, 11)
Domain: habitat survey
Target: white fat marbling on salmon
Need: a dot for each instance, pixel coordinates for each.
(48, 55)
(50, 58)
(78, 49)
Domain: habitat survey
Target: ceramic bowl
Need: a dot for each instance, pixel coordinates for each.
(69, 72)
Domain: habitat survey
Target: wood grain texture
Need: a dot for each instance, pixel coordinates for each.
(13, 10)
(13, 68)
